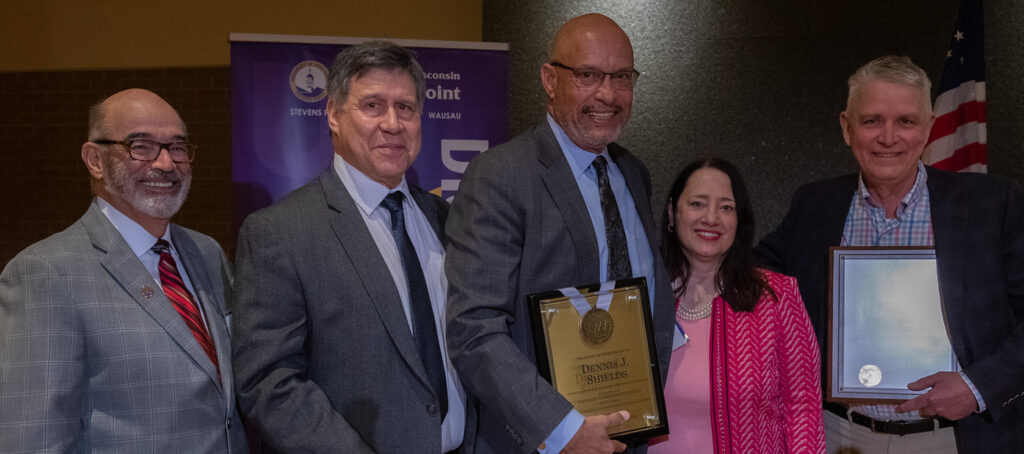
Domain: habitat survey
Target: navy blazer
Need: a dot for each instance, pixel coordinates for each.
(978, 225)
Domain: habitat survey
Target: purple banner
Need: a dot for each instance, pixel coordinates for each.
(280, 138)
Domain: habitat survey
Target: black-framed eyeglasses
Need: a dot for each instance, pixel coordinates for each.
(148, 150)
(589, 78)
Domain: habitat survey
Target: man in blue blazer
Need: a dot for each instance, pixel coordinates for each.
(341, 293)
(975, 223)
(108, 344)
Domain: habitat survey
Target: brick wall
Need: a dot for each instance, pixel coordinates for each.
(44, 186)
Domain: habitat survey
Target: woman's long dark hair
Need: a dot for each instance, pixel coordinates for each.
(742, 285)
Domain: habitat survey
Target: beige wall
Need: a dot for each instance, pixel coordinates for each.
(105, 34)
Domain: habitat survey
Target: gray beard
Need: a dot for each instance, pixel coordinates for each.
(156, 206)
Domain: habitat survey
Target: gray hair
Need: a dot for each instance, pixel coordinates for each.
(893, 69)
(355, 61)
(97, 120)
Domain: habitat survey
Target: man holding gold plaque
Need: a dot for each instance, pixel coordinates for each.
(975, 224)
(560, 206)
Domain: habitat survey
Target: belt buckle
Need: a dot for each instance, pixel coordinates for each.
(898, 427)
(888, 427)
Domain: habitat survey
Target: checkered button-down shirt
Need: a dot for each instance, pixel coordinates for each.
(866, 225)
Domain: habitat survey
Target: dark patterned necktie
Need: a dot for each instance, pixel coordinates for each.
(618, 250)
(424, 331)
(183, 301)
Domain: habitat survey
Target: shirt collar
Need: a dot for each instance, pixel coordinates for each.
(579, 159)
(139, 240)
(367, 194)
(913, 196)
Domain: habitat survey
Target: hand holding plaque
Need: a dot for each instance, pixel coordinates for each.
(596, 347)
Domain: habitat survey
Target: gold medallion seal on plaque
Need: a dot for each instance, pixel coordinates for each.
(595, 345)
(596, 326)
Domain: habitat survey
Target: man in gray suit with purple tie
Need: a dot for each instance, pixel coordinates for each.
(114, 333)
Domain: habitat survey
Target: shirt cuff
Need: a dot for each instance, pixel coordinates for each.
(563, 433)
(977, 394)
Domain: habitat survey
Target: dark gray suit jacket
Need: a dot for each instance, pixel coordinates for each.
(978, 224)
(94, 358)
(518, 226)
(325, 360)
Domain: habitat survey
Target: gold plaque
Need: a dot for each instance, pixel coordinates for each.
(596, 346)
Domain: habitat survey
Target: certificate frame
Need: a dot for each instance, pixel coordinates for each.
(886, 323)
(600, 374)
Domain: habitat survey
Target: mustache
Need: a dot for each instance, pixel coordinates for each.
(616, 108)
(161, 175)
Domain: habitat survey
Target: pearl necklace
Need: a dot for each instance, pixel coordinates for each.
(702, 310)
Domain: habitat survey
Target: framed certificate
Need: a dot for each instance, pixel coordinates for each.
(886, 326)
(596, 347)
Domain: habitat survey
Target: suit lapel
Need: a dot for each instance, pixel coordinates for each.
(949, 223)
(128, 271)
(429, 208)
(198, 273)
(640, 192)
(663, 314)
(834, 214)
(374, 275)
(565, 193)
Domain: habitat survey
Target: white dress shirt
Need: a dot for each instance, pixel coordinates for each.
(367, 195)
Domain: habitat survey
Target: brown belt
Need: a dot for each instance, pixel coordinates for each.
(893, 427)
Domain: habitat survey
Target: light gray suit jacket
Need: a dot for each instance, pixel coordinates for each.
(518, 226)
(325, 359)
(94, 358)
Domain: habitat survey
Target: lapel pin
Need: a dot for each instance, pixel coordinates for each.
(146, 292)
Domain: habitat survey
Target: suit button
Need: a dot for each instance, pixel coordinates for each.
(432, 408)
(229, 423)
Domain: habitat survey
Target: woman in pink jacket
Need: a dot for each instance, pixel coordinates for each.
(744, 378)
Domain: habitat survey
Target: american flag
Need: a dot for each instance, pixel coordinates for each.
(958, 138)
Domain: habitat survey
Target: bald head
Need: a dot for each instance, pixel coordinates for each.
(582, 98)
(147, 190)
(131, 102)
(588, 27)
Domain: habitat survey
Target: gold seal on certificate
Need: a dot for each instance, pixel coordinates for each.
(596, 326)
(596, 347)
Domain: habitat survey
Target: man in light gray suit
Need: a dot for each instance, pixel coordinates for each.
(339, 323)
(529, 217)
(107, 343)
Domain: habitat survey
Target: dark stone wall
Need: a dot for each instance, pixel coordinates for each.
(762, 83)
(43, 121)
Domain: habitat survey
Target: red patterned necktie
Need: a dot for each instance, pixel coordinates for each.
(183, 301)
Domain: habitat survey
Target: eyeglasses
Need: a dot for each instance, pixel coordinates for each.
(375, 108)
(589, 78)
(149, 150)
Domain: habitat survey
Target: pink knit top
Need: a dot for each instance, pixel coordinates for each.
(762, 369)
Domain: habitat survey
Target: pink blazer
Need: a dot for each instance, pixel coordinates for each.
(765, 382)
